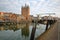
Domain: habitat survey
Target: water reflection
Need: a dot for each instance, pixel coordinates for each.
(13, 27)
(20, 31)
(25, 30)
(10, 27)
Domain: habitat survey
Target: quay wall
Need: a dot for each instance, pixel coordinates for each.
(50, 34)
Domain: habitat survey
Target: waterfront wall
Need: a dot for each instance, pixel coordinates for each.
(50, 34)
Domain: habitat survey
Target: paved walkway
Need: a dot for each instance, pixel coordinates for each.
(58, 30)
(53, 33)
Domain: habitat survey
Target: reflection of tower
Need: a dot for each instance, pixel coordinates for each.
(25, 30)
(25, 11)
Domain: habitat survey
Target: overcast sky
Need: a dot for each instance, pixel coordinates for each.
(36, 6)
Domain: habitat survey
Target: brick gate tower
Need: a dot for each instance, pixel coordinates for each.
(25, 10)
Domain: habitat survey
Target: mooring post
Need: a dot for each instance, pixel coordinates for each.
(33, 32)
(47, 25)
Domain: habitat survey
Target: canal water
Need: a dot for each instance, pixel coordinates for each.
(20, 31)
